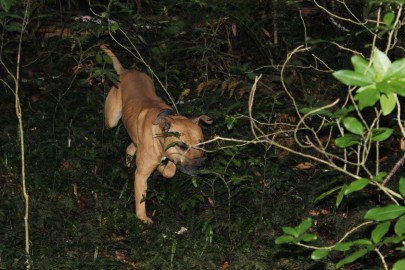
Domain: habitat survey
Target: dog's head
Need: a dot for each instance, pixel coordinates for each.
(180, 138)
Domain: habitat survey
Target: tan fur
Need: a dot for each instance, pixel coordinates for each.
(145, 117)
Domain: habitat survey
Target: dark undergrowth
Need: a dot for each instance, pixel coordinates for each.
(81, 194)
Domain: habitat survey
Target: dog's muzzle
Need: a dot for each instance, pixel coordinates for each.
(191, 166)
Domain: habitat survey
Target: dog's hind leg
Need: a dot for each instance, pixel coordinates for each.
(113, 107)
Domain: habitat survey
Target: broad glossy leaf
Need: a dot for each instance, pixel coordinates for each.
(381, 134)
(385, 87)
(357, 185)
(399, 265)
(319, 254)
(381, 63)
(402, 186)
(367, 96)
(380, 231)
(398, 87)
(352, 257)
(353, 125)
(343, 246)
(388, 103)
(385, 213)
(341, 195)
(362, 66)
(350, 77)
(363, 242)
(284, 239)
(399, 227)
(304, 226)
(290, 231)
(347, 140)
(396, 70)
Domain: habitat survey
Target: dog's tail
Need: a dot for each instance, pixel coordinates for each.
(116, 63)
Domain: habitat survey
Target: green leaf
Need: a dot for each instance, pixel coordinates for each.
(396, 70)
(381, 134)
(357, 185)
(402, 186)
(362, 66)
(385, 87)
(367, 96)
(230, 122)
(99, 59)
(284, 239)
(399, 265)
(353, 125)
(251, 76)
(7, 4)
(13, 27)
(350, 77)
(114, 27)
(389, 18)
(106, 59)
(341, 195)
(363, 242)
(352, 257)
(306, 237)
(388, 103)
(290, 231)
(343, 246)
(393, 239)
(347, 140)
(304, 226)
(385, 213)
(380, 231)
(327, 193)
(342, 112)
(380, 176)
(398, 87)
(381, 63)
(399, 227)
(319, 254)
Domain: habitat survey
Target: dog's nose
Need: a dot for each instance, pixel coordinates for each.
(192, 167)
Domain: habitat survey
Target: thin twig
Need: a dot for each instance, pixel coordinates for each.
(398, 164)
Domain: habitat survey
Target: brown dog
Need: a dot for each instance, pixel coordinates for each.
(156, 131)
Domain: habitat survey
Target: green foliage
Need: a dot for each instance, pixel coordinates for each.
(379, 80)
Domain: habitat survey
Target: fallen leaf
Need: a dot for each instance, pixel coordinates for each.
(304, 166)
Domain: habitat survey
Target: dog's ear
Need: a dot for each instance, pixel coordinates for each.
(203, 118)
(164, 123)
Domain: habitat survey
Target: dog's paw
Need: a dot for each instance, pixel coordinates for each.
(145, 219)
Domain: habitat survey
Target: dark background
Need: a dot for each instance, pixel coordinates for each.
(207, 54)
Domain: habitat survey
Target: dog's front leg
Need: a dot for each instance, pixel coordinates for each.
(131, 150)
(140, 187)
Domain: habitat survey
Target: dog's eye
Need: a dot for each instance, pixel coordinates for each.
(182, 146)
